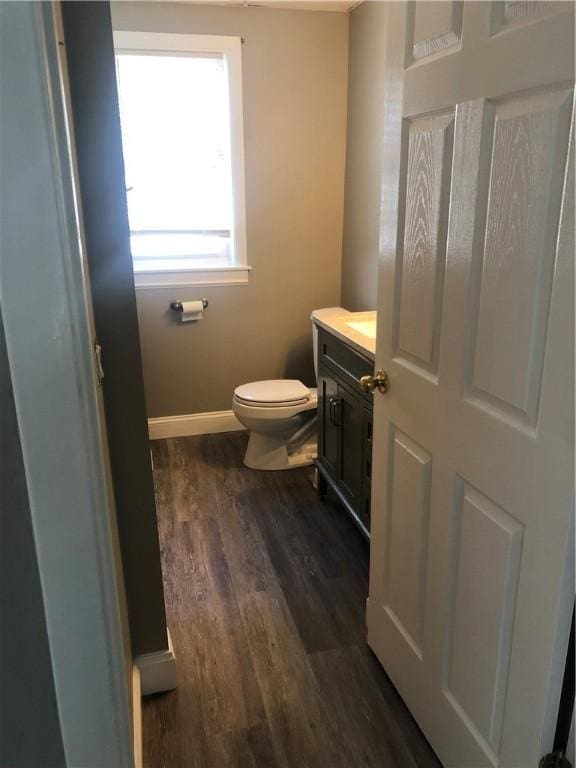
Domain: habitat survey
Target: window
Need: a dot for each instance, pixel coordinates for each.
(181, 116)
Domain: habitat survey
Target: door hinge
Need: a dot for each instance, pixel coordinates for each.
(98, 360)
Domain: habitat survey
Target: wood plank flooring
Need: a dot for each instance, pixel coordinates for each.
(265, 589)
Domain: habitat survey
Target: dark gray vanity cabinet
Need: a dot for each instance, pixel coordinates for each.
(344, 426)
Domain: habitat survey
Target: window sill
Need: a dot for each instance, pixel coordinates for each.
(175, 278)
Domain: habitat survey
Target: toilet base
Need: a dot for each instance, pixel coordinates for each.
(269, 452)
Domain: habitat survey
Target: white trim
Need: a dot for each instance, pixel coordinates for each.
(191, 424)
(157, 670)
(132, 42)
(231, 49)
(137, 717)
(181, 278)
(323, 6)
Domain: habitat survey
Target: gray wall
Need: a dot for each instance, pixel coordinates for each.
(94, 101)
(29, 724)
(364, 150)
(294, 87)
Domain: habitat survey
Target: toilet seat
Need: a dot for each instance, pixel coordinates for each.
(274, 411)
(275, 393)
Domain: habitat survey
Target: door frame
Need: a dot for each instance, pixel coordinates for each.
(43, 301)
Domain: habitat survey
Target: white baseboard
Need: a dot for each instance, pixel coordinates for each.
(193, 424)
(157, 670)
(137, 717)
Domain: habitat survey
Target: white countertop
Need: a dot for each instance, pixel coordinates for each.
(357, 329)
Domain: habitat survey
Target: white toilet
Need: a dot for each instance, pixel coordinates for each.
(281, 417)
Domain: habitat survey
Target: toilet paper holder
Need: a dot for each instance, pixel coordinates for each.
(177, 305)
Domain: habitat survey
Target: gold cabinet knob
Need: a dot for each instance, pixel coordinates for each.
(379, 382)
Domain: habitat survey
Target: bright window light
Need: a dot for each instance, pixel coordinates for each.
(184, 184)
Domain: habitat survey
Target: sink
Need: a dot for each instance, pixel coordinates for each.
(365, 327)
(357, 329)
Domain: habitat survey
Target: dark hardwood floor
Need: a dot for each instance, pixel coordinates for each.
(266, 589)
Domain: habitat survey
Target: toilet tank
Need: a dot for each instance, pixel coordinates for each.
(322, 314)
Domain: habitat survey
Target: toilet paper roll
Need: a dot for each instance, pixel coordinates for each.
(191, 310)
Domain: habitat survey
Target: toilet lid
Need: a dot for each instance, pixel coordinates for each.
(275, 392)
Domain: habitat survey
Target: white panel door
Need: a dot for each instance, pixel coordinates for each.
(471, 576)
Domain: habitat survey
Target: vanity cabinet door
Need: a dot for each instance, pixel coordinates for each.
(344, 438)
(350, 417)
(328, 427)
(366, 467)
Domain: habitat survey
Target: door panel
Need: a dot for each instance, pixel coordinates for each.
(434, 27)
(407, 537)
(512, 277)
(480, 623)
(427, 168)
(471, 573)
(328, 443)
(351, 422)
(511, 12)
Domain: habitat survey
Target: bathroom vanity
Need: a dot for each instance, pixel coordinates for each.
(345, 354)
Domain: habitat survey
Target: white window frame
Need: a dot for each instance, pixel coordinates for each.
(231, 49)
